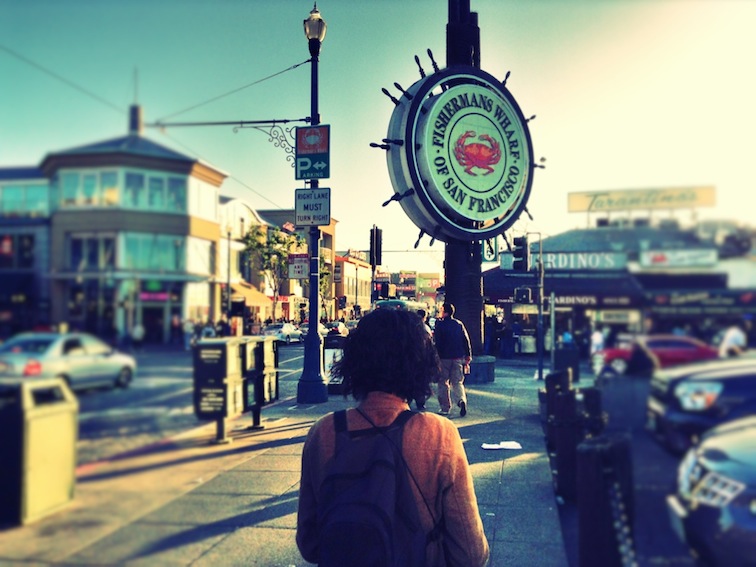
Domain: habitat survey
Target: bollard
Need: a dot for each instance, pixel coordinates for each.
(567, 435)
(594, 419)
(556, 382)
(604, 501)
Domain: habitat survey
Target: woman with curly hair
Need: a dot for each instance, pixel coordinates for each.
(388, 360)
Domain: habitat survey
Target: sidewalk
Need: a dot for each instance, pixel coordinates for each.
(188, 501)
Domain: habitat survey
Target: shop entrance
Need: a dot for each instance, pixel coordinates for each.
(154, 322)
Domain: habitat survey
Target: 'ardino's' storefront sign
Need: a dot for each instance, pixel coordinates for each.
(460, 155)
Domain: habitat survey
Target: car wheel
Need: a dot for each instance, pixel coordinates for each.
(619, 365)
(124, 378)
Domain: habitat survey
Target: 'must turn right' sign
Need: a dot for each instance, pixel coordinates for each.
(312, 207)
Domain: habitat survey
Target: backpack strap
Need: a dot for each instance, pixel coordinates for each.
(340, 427)
(340, 421)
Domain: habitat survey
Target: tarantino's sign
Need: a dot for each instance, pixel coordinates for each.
(637, 199)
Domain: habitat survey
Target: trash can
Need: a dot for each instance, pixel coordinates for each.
(39, 424)
(333, 348)
(568, 356)
(218, 381)
(259, 357)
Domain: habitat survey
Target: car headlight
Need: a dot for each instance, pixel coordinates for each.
(698, 396)
(717, 490)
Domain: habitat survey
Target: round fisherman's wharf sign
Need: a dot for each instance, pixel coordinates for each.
(461, 155)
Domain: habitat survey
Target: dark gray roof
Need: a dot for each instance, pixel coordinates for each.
(132, 144)
(629, 240)
(20, 173)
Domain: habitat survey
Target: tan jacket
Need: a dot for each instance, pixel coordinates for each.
(434, 453)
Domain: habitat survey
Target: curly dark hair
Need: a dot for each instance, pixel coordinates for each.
(389, 351)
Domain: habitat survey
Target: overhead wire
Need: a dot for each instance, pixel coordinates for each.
(61, 79)
(236, 90)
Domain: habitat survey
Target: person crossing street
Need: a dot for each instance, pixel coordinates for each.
(453, 346)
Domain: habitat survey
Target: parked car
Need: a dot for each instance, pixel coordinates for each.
(352, 324)
(647, 352)
(338, 328)
(285, 332)
(686, 401)
(82, 360)
(305, 327)
(714, 508)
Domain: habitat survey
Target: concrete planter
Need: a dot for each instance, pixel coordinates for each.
(481, 370)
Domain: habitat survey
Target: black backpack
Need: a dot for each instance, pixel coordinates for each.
(367, 512)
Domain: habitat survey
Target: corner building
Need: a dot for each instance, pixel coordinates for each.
(122, 231)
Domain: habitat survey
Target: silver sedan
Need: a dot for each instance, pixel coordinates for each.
(82, 360)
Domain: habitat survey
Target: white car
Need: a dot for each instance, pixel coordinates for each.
(82, 360)
(285, 332)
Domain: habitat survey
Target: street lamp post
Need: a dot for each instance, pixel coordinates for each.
(311, 387)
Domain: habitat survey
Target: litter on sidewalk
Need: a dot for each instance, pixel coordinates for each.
(502, 445)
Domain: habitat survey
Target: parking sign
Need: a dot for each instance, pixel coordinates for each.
(312, 152)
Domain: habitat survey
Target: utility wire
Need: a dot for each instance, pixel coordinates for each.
(239, 181)
(236, 90)
(55, 75)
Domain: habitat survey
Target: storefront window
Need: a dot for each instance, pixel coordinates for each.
(7, 250)
(26, 251)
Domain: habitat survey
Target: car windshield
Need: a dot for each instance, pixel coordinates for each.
(30, 346)
(274, 327)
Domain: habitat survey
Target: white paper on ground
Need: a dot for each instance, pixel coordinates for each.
(502, 445)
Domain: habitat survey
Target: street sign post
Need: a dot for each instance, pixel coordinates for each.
(312, 207)
(313, 152)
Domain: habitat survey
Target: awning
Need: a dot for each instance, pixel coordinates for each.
(592, 290)
(252, 297)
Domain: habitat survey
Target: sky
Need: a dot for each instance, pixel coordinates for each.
(627, 94)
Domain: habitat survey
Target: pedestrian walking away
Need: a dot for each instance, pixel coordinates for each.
(453, 346)
(353, 513)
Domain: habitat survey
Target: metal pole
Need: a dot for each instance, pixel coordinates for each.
(462, 259)
(311, 387)
(540, 309)
(228, 279)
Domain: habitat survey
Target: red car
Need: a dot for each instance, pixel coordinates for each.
(645, 353)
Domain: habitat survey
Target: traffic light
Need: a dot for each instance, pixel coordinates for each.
(521, 254)
(376, 243)
(342, 301)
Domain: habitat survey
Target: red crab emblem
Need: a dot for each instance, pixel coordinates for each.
(480, 155)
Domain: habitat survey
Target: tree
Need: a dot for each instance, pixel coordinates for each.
(268, 249)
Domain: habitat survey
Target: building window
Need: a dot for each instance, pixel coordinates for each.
(89, 189)
(156, 193)
(37, 200)
(70, 187)
(155, 252)
(176, 195)
(12, 202)
(88, 253)
(134, 195)
(109, 188)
